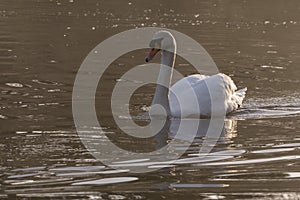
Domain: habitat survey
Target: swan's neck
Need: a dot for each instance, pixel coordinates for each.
(161, 95)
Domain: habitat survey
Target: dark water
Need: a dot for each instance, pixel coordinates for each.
(43, 43)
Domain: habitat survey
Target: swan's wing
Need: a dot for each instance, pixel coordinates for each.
(194, 94)
(191, 97)
(195, 78)
(192, 79)
(233, 98)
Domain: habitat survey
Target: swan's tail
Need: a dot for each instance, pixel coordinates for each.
(239, 96)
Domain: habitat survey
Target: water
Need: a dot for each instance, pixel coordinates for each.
(43, 43)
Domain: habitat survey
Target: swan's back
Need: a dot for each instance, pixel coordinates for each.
(196, 92)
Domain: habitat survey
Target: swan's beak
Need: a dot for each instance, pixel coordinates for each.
(151, 55)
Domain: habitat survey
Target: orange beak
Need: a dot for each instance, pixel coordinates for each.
(151, 54)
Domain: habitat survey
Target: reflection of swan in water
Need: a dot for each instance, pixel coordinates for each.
(184, 130)
(228, 130)
(200, 144)
(218, 88)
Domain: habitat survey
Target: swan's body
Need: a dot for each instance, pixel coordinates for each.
(195, 94)
(221, 84)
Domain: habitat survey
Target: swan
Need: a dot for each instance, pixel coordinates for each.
(177, 100)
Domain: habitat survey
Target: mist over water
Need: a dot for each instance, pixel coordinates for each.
(42, 45)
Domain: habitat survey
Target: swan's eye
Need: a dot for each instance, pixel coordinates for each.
(155, 50)
(157, 46)
(156, 43)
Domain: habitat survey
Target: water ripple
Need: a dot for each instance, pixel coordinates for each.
(106, 181)
(252, 161)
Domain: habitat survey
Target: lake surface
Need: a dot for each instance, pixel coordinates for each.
(42, 45)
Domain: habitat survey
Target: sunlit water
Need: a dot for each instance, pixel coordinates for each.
(43, 43)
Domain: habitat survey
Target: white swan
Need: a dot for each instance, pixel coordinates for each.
(177, 100)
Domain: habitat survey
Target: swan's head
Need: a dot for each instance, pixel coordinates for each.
(162, 40)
